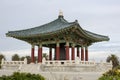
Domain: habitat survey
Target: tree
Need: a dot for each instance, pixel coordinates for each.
(22, 58)
(45, 56)
(15, 57)
(28, 59)
(1, 57)
(114, 59)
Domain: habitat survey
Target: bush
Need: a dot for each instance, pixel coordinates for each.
(22, 76)
(111, 75)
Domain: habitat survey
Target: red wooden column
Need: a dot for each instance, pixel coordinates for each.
(57, 51)
(73, 52)
(32, 54)
(86, 53)
(50, 53)
(40, 53)
(78, 52)
(82, 53)
(67, 50)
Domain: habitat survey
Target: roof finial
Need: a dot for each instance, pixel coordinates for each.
(60, 14)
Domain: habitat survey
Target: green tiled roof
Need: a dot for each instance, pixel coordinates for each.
(99, 37)
(55, 26)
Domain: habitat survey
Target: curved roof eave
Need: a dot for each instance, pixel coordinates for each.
(92, 36)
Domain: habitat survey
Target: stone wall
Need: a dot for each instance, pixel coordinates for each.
(58, 66)
(75, 66)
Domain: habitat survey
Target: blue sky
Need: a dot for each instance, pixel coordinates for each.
(98, 16)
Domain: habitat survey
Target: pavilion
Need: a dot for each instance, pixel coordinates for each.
(60, 35)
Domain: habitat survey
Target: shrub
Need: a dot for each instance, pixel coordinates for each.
(22, 76)
(111, 75)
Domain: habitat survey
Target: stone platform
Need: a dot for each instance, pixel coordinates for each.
(58, 70)
(62, 75)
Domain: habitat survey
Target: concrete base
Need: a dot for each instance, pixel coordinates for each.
(62, 75)
(59, 70)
